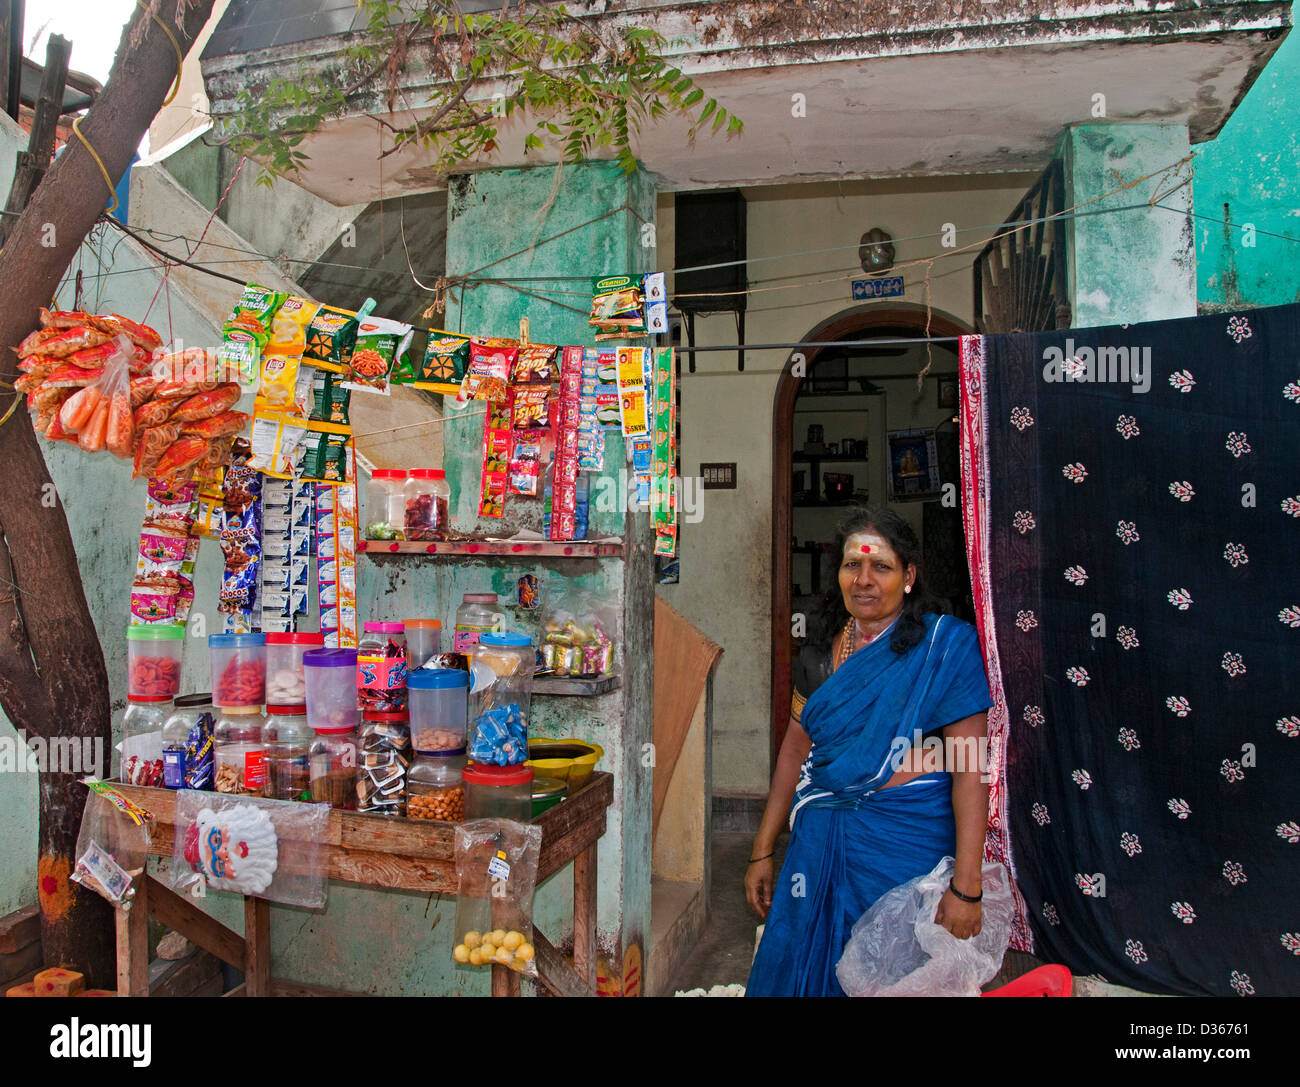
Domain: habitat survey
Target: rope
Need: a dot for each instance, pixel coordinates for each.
(180, 57)
(112, 192)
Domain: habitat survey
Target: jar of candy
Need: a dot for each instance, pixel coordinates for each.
(427, 501)
(288, 738)
(381, 668)
(498, 792)
(285, 685)
(238, 669)
(435, 788)
(188, 743)
(478, 614)
(438, 709)
(240, 751)
(385, 741)
(142, 740)
(333, 768)
(386, 504)
(153, 660)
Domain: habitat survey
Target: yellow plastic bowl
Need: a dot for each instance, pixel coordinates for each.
(572, 761)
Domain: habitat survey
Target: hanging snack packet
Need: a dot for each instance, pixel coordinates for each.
(247, 331)
(496, 459)
(241, 536)
(525, 464)
(112, 845)
(535, 365)
(617, 305)
(380, 342)
(530, 407)
(331, 336)
(289, 325)
(275, 440)
(446, 358)
(490, 363)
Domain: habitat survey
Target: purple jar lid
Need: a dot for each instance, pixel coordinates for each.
(330, 658)
(385, 628)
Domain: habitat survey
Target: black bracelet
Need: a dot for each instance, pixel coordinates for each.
(965, 898)
(755, 860)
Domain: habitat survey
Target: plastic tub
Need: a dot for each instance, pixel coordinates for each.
(385, 742)
(240, 751)
(142, 741)
(238, 669)
(187, 743)
(423, 640)
(288, 738)
(428, 499)
(478, 614)
(547, 792)
(498, 792)
(331, 680)
(437, 700)
(285, 685)
(385, 504)
(381, 667)
(153, 655)
(333, 762)
(499, 726)
(435, 788)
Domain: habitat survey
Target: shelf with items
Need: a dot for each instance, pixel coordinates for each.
(838, 458)
(567, 549)
(576, 686)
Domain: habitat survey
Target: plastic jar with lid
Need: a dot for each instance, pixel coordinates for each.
(435, 789)
(385, 504)
(381, 667)
(437, 708)
(331, 679)
(285, 685)
(188, 757)
(238, 669)
(333, 762)
(153, 660)
(142, 740)
(423, 640)
(498, 729)
(385, 757)
(498, 792)
(428, 499)
(288, 739)
(477, 615)
(240, 751)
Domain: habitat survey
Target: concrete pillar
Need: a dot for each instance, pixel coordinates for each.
(572, 223)
(1136, 265)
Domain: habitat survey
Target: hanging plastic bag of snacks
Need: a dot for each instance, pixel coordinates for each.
(112, 844)
(496, 871)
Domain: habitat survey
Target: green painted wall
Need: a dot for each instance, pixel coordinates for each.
(1250, 174)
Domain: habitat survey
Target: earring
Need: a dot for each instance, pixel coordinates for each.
(907, 588)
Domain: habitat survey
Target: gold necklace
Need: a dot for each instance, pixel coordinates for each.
(846, 641)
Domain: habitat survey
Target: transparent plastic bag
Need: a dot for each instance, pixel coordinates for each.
(496, 866)
(896, 949)
(112, 845)
(272, 849)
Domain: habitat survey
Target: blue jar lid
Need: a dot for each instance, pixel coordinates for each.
(507, 638)
(235, 641)
(436, 679)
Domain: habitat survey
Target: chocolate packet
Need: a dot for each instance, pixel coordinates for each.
(536, 365)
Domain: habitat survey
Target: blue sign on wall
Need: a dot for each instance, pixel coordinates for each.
(890, 287)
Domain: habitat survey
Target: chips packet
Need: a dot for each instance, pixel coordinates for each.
(380, 343)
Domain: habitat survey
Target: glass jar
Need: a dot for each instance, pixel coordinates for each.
(188, 743)
(498, 792)
(428, 499)
(333, 767)
(288, 738)
(238, 669)
(240, 751)
(437, 708)
(385, 504)
(385, 742)
(153, 660)
(381, 668)
(435, 788)
(423, 640)
(498, 731)
(331, 682)
(285, 685)
(478, 614)
(142, 740)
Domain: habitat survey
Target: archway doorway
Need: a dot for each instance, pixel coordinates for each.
(861, 378)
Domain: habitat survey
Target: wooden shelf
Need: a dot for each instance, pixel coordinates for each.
(572, 549)
(580, 686)
(828, 505)
(837, 458)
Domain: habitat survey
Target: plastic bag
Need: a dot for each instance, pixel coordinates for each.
(112, 845)
(496, 865)
(896, 949)
(271, 849)
(99, 413)
(577, 636)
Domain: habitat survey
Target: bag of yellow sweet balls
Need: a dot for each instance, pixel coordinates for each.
(496, 868)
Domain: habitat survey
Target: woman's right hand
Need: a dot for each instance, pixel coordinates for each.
(760, 877)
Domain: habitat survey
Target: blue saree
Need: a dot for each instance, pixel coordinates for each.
(851, 839)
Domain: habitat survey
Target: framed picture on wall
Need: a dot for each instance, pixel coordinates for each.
(947, 391)
(913, 465)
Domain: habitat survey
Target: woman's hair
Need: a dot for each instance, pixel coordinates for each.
(911, 624)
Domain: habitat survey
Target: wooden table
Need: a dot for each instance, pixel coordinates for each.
(373, 851)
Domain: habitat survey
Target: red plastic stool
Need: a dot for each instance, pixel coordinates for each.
(1051, 980)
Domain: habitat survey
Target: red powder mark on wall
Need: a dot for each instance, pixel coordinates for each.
(52, 885)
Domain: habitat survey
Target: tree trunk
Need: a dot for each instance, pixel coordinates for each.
(53, 681)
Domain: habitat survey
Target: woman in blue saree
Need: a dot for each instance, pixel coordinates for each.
(869, 806)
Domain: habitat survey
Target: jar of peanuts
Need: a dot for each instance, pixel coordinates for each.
(434, 789)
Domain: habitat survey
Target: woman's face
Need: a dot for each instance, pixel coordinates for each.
(872, 577)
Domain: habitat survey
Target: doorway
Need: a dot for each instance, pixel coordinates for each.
(865, 401)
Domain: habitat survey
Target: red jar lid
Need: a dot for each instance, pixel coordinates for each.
(427, 473)
(482, 774)
(388, 473)
(376, 715)
(292, 638)
(296, 710)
